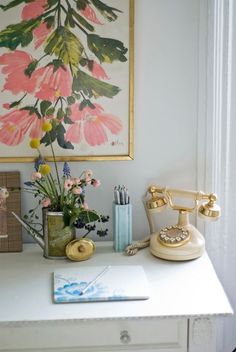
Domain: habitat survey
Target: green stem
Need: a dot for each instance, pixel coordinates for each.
(77, 24)
(54, 160)
(43, 189)
(59, 13)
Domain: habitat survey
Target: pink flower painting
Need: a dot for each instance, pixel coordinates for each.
(16, 124)
(92, 125)
(14, 65)
(58, 67)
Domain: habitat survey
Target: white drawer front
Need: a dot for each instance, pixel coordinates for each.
(106, 335)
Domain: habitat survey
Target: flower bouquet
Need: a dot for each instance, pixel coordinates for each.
(62, 200)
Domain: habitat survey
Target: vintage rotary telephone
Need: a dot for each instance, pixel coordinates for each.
(181, 241)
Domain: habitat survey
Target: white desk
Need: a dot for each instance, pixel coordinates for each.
(180, 315)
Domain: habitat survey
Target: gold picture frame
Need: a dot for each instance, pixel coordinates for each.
(121, 24)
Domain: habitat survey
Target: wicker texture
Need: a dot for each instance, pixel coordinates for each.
(8, 224)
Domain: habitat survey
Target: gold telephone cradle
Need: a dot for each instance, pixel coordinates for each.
(181, 241)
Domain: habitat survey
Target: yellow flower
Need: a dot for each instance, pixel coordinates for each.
(47, 126)
(44, 169)
(35, 143)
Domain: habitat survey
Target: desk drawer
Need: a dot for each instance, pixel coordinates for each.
(101, 335)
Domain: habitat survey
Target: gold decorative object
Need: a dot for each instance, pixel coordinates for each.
(80, 249)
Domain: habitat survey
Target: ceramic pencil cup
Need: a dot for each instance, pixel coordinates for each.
(122, 226)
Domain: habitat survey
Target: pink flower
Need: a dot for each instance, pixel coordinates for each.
(98, 71)
(96, 183)
(33, 9)
(77, 190)
(6, 106)
(45, 202)
(92, 124)
(68, 184)
(36, 176)
(52, 83)
(3, 193)
(15, 64)
(40, 34)
(76, 181)
(16, 124)
(90, 14)
(88, 173)
(85, 206)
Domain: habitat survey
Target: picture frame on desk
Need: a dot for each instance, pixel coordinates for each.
(75, 69)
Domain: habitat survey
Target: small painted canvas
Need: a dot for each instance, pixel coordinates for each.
(121, 282)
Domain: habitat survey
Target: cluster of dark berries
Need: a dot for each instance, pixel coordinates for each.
(79, 224)
(104, 218)
(102, 233)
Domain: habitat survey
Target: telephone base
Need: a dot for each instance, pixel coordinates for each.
(193, 249)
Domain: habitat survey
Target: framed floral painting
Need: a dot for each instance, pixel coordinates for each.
(69, 62)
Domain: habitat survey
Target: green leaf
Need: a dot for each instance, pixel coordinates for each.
(14, 3)
(107, 49)
(49, 137)
(82, 21)
(61, 138)
(44, 106)
(66, 46)
(60, 113)
(69, 21)
(32, 110)
(50, 20)
(92, 87)
(50, 111)
(70, 100)
(81, 4)
(15, 103)
(18, 34)
(31, 68)
(87, 216)
(67, 120)
(107, 11)
(51, 3)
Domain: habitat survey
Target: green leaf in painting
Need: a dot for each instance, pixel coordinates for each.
(50, 111)
(60, 114)
(31, 67)
(107, 11)
(51, 3)
(44, 106)
(14, 3)
(66, 46)
(107, 49)
(49, 21)
(16, 34)
(69, 21)
(82, 21)
(93, 87)
(57, 133)
(32, 110)
(61, 138)
(81, 4)
(70, 100)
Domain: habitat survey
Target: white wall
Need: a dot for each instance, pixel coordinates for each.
(166, 110)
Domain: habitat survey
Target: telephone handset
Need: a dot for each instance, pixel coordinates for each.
(181, 241)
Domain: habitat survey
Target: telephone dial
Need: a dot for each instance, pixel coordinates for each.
(181, 241)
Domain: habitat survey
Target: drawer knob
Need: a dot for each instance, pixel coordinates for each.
(125, 337)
